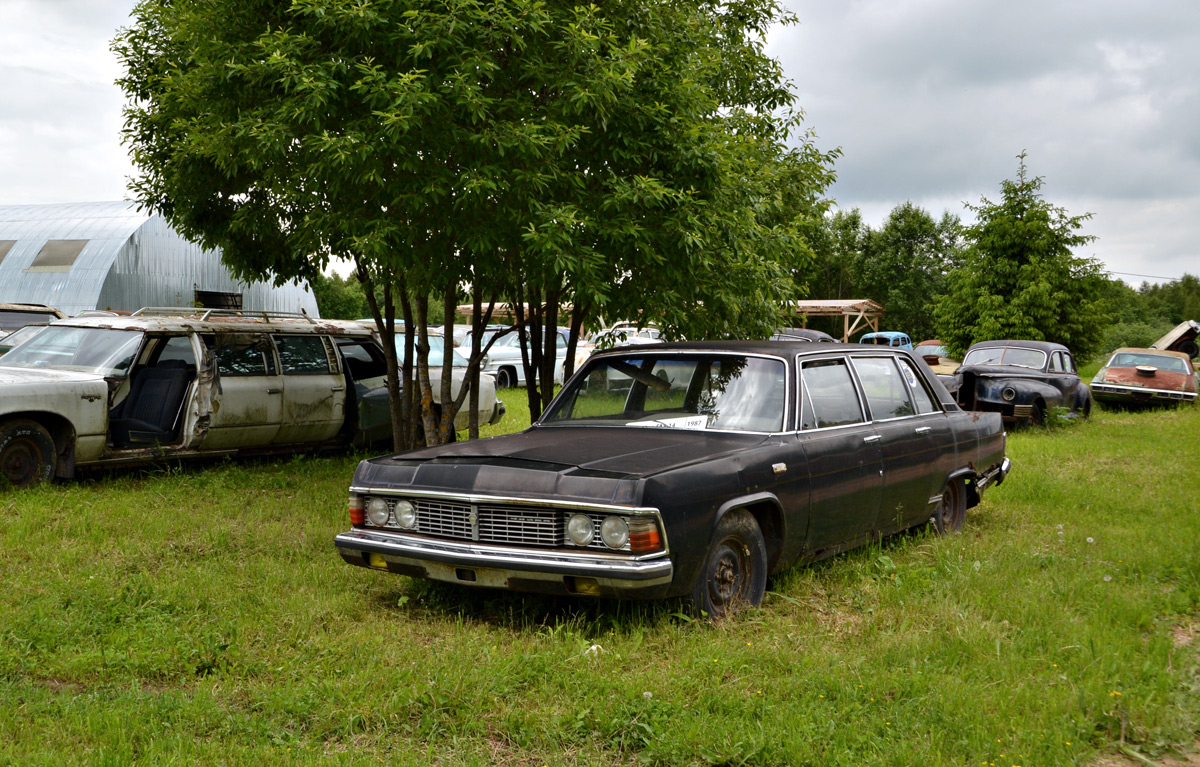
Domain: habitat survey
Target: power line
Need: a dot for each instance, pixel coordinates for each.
(1147, 276)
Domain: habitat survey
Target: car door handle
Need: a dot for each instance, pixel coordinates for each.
(872, 438)
(924, 429)
(337, 388)
(274, 391)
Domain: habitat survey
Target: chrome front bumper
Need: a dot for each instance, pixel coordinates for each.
(503, 567)
(1115, 392)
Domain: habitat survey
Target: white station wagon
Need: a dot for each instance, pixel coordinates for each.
(177, 383)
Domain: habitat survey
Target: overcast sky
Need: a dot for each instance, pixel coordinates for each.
(929, 100)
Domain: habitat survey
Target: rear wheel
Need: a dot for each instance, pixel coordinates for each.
(27, 455)
(735, 567)
(952, 511)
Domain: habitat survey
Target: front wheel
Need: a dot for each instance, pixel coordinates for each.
(952, 511)
(1037, 416)
(735, 567)
(27, 455)
(505, 378)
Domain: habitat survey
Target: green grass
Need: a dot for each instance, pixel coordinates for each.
(202, 616)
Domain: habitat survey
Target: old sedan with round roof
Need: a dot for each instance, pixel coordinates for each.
(1024, 381)
(688, 469)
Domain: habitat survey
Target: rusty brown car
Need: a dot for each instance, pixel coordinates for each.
(1139, 377)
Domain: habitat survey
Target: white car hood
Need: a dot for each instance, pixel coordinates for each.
(11, 375)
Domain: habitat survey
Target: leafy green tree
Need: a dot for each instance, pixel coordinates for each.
(1173, 301)
(903, 266)
(338, 298)
(540, 152)
(1019, 278)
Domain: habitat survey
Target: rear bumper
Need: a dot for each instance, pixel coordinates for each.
(521, 569)
(994, 476)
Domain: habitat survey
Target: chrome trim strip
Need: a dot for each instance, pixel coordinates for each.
(476, 500)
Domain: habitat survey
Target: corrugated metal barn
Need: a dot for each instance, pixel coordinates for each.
(110, 255)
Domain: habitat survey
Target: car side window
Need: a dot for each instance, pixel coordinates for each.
(1056, 363)
(830, 398)
(920, 395)
(176, 350)
(303, 355)
(887, 393)
(363, 360)
(241, 360)
(1068, 363)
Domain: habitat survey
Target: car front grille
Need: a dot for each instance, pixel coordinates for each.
(502, 524)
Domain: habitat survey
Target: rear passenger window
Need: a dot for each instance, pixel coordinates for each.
(243, 355)
(920, 395)
(887, 392)
(303, 355)
(829, 396)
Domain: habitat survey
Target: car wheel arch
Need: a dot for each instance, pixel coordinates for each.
(768, 513)
(967, 476)
(62, 431)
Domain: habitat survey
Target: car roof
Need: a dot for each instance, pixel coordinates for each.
(1043, 346)
(885, 334)
(1145, 350)
(183, 319)
(770, 348)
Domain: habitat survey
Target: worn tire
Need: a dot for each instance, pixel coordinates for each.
(1085, 409)
(952, 511)
(1037, 416)
(505, 379)
(27, 454)
(734, 573)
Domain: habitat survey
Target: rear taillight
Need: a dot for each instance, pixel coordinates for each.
(357, 515)
(644, 535)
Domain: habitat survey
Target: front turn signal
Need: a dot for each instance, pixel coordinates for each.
(643, 535)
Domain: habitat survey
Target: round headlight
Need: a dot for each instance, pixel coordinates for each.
(615, 532)
(406, 514)
(377, 512)
(1009, 394)
(580, 529)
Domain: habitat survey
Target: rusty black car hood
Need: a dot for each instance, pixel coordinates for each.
(554, 461)
(633, 452)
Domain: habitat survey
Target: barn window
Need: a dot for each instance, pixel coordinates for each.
(57, 256)
(215, 299)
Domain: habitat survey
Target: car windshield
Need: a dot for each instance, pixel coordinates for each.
(1160, 361)
(1006, 355)
(9, 340)
(435, 353)
(13, 319)
(101, 351)
(687, 391)
(932, 350)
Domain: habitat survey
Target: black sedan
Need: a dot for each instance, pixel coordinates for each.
(1022, 380)
(692, 469)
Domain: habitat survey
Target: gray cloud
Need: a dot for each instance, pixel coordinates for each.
(931, 101)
